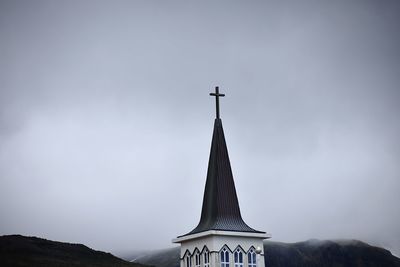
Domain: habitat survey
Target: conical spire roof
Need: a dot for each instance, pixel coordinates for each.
(220, 209)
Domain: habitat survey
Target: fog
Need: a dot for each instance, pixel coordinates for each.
(106, 122)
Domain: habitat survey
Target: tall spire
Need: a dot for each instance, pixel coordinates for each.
(220, 209)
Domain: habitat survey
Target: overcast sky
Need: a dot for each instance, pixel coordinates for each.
(106, 122)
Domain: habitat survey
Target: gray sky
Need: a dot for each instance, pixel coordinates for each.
(106, 122)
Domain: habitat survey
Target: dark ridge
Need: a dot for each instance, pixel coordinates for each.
(311, 253)
(22, 251)
(220, 209)
(315, 253)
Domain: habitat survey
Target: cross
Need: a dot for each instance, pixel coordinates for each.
(217, 95)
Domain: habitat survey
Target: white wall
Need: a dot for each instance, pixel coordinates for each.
(215, 243)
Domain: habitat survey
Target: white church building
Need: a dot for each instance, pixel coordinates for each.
(222, 238)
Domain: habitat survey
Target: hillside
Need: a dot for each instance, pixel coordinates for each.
(338, 253)
(21, 251)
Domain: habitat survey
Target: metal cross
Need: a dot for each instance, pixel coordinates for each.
(217, 95)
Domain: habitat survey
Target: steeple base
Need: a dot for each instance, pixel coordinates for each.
(222, 249)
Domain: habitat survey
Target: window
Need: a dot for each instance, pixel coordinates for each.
(224, 255)
(251, 258)
(188, 261)
(197, 259)
(238, 256)
(206, 258)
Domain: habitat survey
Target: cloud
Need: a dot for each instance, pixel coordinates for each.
(105, 119)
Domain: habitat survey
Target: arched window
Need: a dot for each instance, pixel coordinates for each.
(238, 256)
(251, 258)
(197, 259)
(188, 261)
(224, 256)
(206, 258)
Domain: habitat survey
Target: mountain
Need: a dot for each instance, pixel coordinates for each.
(159, 258)
(22, 251)
(338, 253)
(327, 253)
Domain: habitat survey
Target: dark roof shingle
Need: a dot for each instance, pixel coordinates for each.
(220, 209)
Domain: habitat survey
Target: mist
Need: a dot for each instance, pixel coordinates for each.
(106, 122)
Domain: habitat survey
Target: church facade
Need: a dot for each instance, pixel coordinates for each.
(222, 238)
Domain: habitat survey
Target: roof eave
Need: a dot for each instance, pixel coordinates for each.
(184, 238)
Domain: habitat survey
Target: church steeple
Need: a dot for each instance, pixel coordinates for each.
(222, 238)
(220, 209)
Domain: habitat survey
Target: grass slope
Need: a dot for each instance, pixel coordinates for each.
(21, 251)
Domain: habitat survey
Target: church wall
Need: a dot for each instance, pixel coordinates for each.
(215, 243)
